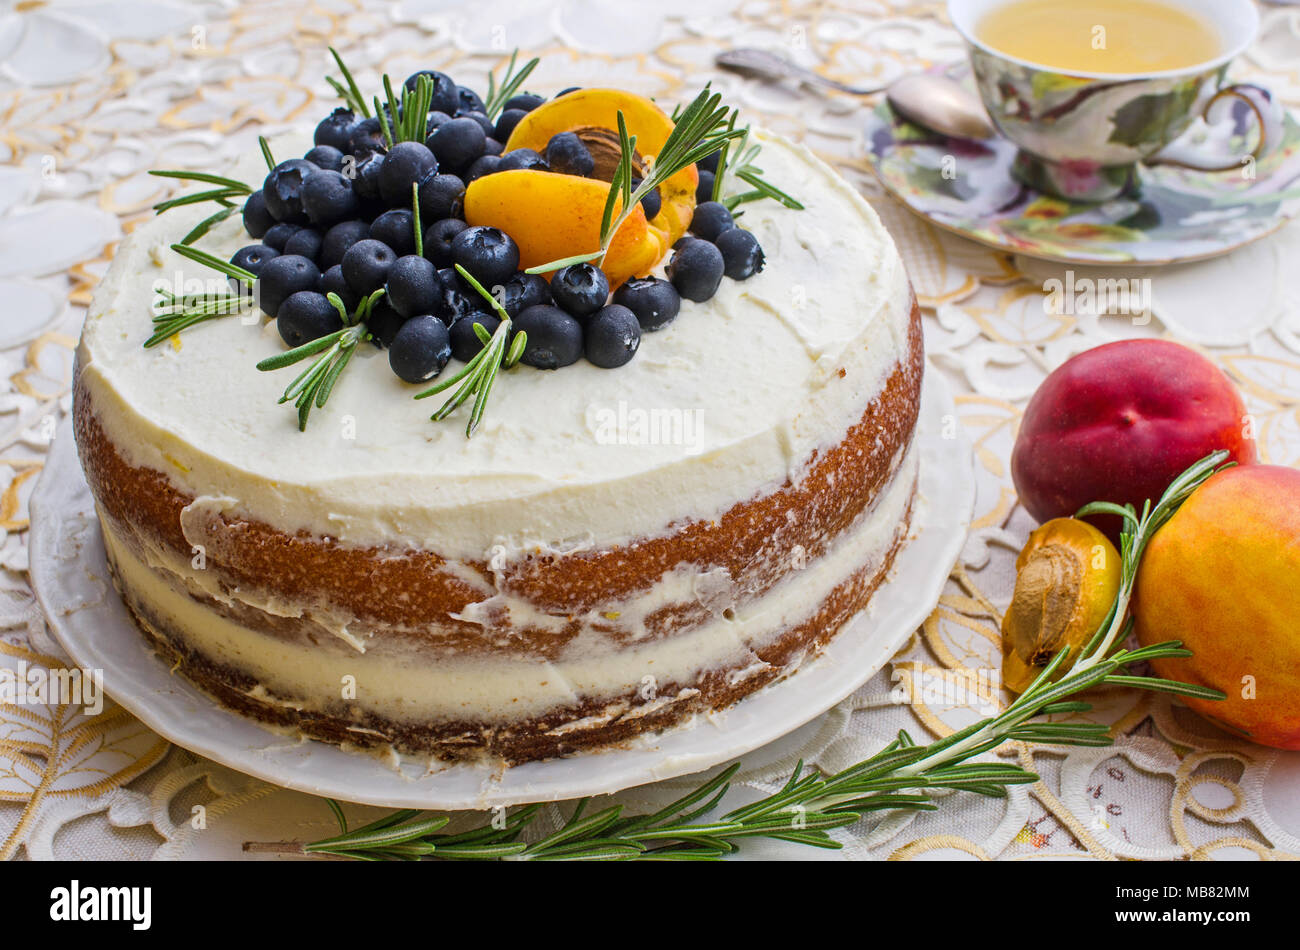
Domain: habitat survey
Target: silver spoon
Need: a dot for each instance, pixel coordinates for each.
(936, 102)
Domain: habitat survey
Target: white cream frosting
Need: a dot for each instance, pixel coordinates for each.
(502, 689)
(751, 378)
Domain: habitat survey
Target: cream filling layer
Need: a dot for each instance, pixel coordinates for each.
(723, 404)
(501, 690)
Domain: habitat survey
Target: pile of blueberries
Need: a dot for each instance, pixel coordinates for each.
(340, 220)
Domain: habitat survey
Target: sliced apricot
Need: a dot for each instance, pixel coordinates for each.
(550, 220)
(554, 216)
(1067, 577)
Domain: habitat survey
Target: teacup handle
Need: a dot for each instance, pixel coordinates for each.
(1268, 116)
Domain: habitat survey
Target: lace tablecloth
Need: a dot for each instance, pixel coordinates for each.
(95, 94)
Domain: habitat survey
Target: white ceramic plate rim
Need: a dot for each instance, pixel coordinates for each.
(70, 576)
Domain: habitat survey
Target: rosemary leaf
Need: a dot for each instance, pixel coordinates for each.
(208, 223)
(352, 95)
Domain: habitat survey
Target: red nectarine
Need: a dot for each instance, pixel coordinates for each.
(1119, 422)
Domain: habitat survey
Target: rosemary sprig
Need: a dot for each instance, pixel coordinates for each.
(333, 352)
(902, 775)
(227, 189)
(701, 129)
(743, 168)
(173, 313)
(349, 93)
(208, 223)
(266, 153)
(215, 263)
(498, 96)
(406, 118)
(479, 375)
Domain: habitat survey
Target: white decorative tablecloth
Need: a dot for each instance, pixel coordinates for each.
(94, 94)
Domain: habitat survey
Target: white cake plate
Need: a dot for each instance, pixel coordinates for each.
(71, 579)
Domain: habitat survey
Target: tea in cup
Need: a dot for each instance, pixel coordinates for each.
(1087, 89)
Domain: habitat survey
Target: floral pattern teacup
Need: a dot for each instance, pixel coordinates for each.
(1082, 135)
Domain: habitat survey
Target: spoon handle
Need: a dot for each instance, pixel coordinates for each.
(762, 64)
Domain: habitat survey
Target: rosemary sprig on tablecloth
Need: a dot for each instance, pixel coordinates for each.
(500, 351)
(810, 805)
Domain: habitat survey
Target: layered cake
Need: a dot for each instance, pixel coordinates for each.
(613, 552)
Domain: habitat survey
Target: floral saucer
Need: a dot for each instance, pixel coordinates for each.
(966, 186)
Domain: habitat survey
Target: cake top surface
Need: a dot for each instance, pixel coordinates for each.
(731, 396)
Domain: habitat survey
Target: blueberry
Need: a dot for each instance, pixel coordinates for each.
(446, 95)
(420, 349)
(282, 189)
(523, 158)
(336, 129)
(612, 336)
(457, 143)
(366, 182)
(651, 202)
(404, 165)
(339, 238)
(305, 316)
(325, 156)
(333, 282)
(366, 264)
(711, 219)
(704, 190)
(465, 343)
(554, 337)
(696, 270)
(489, 254)
(565, 91)
(458, 302)
(506, 123)
(654, 301)
(566, 154)
(305, 243)
(257, 220)
(469, 100)
(441, 196)
(438, 237)
(252, 259)
(281, 278)
(483, 121)
(709, 163)
(396, 228)
(580, 289)
(525, 101)
(277, 235)
(493, 147)
(327, 197)
(384, 322)
(483, 165)
(435, 119)
(523, 291)
(742, 257)
(367, 137)
(413, 285)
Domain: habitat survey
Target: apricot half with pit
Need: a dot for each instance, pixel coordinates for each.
(553, 216)
(1067, 577)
